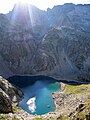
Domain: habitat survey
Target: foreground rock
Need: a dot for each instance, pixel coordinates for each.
(74, 102)
(67, 104)
(9, 96)
(5, 102)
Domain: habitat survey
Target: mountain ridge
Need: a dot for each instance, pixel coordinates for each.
(55, 42)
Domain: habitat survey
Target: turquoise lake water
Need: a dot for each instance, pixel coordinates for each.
(42, 92)
(37, 95)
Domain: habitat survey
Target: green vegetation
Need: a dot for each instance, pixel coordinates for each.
(78, 89)
(8, 117)
(63, 118)
(38, 118)
(16, 108)
(4, 117)
(83, 113)
(15, 118)
(59, 118)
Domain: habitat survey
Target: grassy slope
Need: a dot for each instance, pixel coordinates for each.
(7, 116)
(81, 113)
(78, 89)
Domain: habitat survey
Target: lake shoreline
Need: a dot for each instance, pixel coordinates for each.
(66, 104)
(66, 81)
(54, 113)
(61, 98)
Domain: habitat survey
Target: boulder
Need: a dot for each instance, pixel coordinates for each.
(9, 96)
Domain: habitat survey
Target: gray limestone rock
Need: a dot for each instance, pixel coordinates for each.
(9, 96)
(55, 42)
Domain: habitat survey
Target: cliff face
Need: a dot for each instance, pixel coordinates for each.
(70, 50)
(9, 96)
(55, 42)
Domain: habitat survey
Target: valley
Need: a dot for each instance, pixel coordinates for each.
(45, 59)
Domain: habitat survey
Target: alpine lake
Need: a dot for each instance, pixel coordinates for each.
(37, 93)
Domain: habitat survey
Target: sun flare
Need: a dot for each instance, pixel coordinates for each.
(38, 3)
(7, 5)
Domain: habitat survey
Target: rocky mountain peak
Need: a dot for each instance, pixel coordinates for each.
(55, 42)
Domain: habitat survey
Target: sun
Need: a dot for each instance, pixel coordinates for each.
(41, 4)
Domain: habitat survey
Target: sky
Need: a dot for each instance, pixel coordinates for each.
(7, 5)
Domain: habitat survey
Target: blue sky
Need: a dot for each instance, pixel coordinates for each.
(7, 5)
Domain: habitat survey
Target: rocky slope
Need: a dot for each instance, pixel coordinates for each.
(55, 42)
(70, 50)
(9, 96)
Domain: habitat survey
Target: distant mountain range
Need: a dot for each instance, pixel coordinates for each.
(55, 42)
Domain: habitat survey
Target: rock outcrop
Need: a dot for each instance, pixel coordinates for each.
(9, 96)
(70, 50)
(5, 103)
(55, 42)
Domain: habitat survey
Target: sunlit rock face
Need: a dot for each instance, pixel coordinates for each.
(30, 18)
(55, 42)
